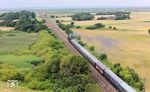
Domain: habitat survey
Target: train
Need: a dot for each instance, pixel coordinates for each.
(117, 82)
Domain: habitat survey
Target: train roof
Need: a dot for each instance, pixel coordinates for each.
(107, 70)
(120, 81)
(114, 76)
(127, 87)
(90, 55)
(101, 65)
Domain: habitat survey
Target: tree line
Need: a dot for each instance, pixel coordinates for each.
(111, 13)
(82, 16)
(58, 71)
(88, 16)
(96, 26)
(118, 15)
(23, 21)
(62, 71)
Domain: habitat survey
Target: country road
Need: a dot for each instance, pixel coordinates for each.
(102, 82)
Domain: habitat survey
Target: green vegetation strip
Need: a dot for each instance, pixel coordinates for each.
(20, 61)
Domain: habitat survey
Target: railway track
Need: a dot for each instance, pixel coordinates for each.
(103, 83)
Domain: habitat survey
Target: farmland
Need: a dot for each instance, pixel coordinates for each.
(4, 88)
(10, 41)
(138, 21)
(13, 41)
(32, 55)
(128, 45)
(6, 28)
(20, 61)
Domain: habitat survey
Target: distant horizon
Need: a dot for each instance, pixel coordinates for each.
(49, 8)
(64, 4)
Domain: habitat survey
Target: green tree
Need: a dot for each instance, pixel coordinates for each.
(103, 57)
(82, 16)
(72, 23)
(92, 48)
(149, 31)
(57, 21)
(99, 25)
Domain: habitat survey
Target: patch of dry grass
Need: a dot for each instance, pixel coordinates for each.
(65, 19)
(138, 21)
(132, 48)
(6, 28)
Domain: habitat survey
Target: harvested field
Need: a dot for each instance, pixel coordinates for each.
(6, 28)
(139, 21)
(122, 47)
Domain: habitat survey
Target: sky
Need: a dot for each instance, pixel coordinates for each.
(10, 4)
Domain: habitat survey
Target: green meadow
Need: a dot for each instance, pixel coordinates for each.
(13, 40)
(19, 61)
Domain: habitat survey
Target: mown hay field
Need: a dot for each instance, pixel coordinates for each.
(129, 48)
(6, 28)
(139, 21)
(128, 45)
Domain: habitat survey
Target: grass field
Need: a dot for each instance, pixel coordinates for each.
(139, 21)
(14, 41)
(4, 88)
(10, 41)
(129, 48)
(19, 61)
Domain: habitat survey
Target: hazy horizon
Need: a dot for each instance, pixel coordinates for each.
(59, 4)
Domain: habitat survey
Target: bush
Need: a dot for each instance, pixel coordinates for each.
(26, 21)
(114, 28)
(96, 26)
(122, 16)
(11, 74)
(110, 27)
(72, 23)
(66, 28)
(82, 17)
(103, 57)
(36, 63)
(92, 48)
(57, 21)
(99, 25)
(91, 27)
(82, 43)
(102, 18)
(8, 23)
(149, 31)
(78, 27)
(38, 85)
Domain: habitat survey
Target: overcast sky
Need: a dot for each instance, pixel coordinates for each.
(72, 3)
